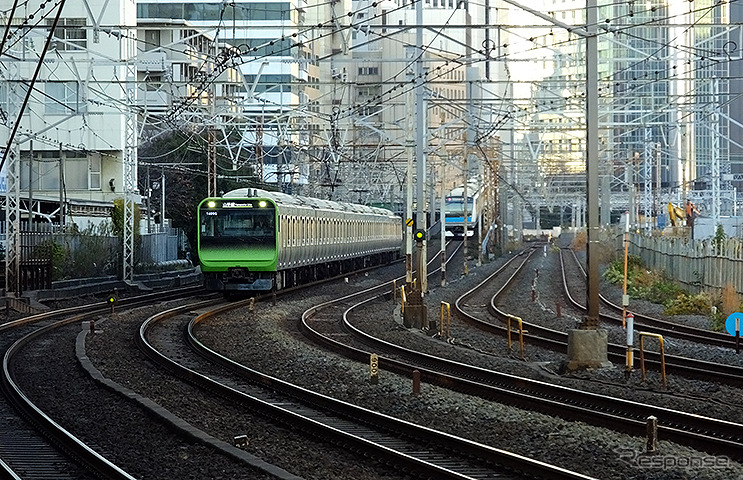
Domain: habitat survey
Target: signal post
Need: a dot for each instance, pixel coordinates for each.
(416, 312)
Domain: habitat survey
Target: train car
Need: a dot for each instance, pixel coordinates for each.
(255, 240)
(454, 209)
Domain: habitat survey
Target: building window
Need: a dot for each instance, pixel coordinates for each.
(94, 171)
(70, 34)
(151, 39)
(368, 70)
(62, 98)
(76, 171)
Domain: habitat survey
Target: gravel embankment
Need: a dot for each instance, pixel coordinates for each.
(272, 343)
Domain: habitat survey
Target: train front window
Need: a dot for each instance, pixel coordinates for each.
(455, 206)
(248, 227)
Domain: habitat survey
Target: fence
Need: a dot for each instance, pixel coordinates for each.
(159, 247)
(77, 255)
(699, 265)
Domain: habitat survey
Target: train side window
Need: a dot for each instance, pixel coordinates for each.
(305, 232)
(282, 222)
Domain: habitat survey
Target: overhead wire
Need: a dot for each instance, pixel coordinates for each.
(388, 94)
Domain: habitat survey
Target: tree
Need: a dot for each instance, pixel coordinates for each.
(182, 159)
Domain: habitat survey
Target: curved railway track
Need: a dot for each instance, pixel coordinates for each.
(328, 324)
(703, 433)
(688, 367)
(415, 448)
(655, 325)
(32, 445)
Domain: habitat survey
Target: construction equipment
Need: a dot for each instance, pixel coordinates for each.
(676, 215)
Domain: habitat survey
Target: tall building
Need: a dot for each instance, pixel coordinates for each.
(270, 46)
(667, 96)
(374, 121)
(71, 135)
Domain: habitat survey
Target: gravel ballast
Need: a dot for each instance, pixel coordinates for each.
(271, 342)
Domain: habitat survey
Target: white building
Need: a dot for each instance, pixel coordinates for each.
(76, 113)
(273, 52)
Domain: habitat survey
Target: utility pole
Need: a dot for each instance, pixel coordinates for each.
(129, 51)
(415, 314)
(592, 163)
(409, 197)
(588, 345)
(420, 145)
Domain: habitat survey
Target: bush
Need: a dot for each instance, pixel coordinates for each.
(685, 304)
(580, 241)
(655, 286)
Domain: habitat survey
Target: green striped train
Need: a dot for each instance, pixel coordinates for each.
(255, 240)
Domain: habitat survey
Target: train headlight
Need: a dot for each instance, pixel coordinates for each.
(211, 204)
(262, 204)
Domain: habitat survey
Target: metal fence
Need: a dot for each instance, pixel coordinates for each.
(90, 254)
(159, 247)
(699, 265)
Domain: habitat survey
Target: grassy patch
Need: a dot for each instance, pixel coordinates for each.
(655, 286)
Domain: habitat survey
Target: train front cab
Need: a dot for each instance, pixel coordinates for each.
(237, 244)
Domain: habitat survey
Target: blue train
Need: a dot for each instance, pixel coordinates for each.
(454, 209)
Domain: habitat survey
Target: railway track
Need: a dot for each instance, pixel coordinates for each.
(687, 367)
(328, 324)
(706, 434)
(652, 324)
(33, 445)
(417, 449)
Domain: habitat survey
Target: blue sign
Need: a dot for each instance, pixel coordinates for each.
(730, 322)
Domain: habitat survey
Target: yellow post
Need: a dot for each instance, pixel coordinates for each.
(662, 356)
(445, 305)
(402, 297)
(521, 333)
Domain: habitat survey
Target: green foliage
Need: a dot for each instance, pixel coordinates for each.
(635, 270)
(656, 287)
(51, 250)
(719, 240)
(663, 292)
(718, 321)
(117, 218)
(92, 252)
(686, 304)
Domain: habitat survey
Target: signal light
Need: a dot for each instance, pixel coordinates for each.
(420, 235)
